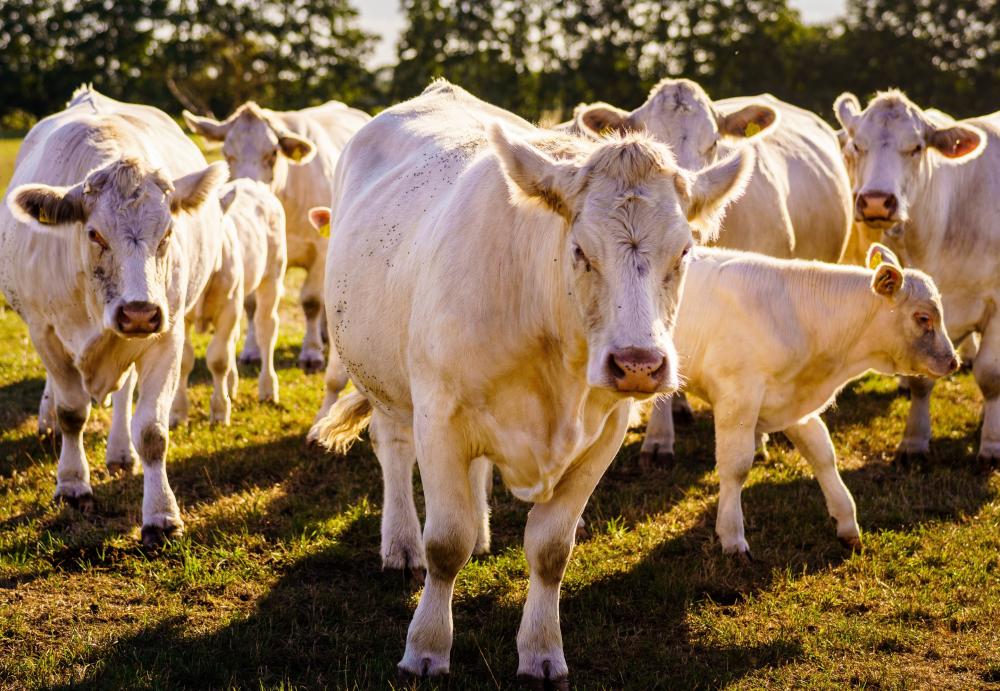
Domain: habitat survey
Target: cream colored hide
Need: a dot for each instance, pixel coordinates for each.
(252, 265)
(295, 153)
(498, 294)
(931, 186)
(769, 343)
(107, 238)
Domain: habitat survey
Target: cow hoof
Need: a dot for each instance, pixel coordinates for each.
(912, 459)
(545, 683)
(251, 360)
(311, 364)
(122, 467)
(986, 463)
(744, 558)
(154, 537)
(427, 668)
(683, 417)
(83, 503)
(851, 543)
(654, 458)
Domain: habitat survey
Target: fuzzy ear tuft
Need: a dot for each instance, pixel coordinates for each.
(191, 191)
(888, 278)
(43, 206)
(209, 128)
(959, 141)
(533, 174)
(749, 120)
(847, 108)
(319, 218)
(600, 118)
(298, 150)
(713, 188)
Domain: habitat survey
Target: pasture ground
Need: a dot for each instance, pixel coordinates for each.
(277, 583)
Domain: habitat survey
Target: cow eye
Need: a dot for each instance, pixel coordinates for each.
(271, 157)
(97, 239)
(165, 240)
(680, 260)
(915, 151)
(924, 321)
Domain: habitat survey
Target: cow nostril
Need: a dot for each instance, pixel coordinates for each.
(890, 203)
(616, 371)
(953, 365)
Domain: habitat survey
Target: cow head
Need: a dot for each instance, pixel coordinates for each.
(918, 342)
(626, 208)
(679, 113)
(121, 218)
(890, 149)
(256, 144)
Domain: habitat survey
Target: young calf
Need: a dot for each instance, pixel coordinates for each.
(253, 264)
(769, 343)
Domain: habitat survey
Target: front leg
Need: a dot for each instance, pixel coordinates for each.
(158, 372)
(812, 439)
(986, 369)
(549, 537)
(916, 442)
(121, 457)
(735, 442)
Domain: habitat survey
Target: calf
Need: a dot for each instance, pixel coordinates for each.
(498, 293)
(106, 241)
(931, 186)
(252, 264)
(770, 342)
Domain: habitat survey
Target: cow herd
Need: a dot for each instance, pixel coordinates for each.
(502, 295)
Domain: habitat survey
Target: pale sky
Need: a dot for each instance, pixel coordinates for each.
(383, 18)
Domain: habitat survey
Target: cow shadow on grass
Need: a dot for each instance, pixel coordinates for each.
(19, 401)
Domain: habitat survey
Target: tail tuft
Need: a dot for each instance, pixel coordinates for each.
(344, 424)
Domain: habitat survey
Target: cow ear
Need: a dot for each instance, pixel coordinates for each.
(888, 277)
(298, 149)
(227, 196)
(847, 108)
(533, 175)
(209, 128)
(748, 121)
(709, 191)
(319, 217)
(600, 119)
(44, 206)
(842, 137)
(191, 191)
(958, 141)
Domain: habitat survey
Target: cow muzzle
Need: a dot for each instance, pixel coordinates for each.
(637, 370)
(139, 319)
(876, 208)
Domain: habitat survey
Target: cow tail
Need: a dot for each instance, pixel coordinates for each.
(344, 424)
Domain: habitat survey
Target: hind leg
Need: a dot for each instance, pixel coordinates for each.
(658, 444)
(250, 355)
(121, 456)
(180, 406)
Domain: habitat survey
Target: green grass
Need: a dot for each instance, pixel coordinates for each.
(8, 152)
(277, 583)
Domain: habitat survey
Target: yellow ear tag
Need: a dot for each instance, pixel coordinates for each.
(43, 217)
(875, 259)
(752, 128)
(325, 230)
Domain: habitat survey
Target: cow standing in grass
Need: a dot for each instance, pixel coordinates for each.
(931, 186)
(769, 343)
(295, 153)
(252, 264)
(498, 294)
(109, 235)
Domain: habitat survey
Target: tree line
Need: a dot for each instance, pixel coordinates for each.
(538, 58)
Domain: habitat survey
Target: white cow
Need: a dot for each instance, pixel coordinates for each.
(105, 243)
(252, 264)
(498, 293)
(295, 152)
(769, 343)
(798, 201)
(931, 185)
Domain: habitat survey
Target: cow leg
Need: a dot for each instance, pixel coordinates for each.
(548, 540)
(221, 359)
(735, 442)
(812, 439)
(47, 423)
(250, 355)
(402, 546)
(179, 409)
(72, 408)
(986, 370)
(658, 444)
(481, 477)
(158, 373)
(121, 457)
(681, 408)
(311, 299)
(265, 322)
(916, 442)
(449, 538)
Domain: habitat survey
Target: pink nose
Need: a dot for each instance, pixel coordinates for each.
(139, 318)
(876, 206)
(639, 370)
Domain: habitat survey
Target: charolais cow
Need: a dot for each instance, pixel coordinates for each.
(295, 153)
(769, 343)
(798, 201)
(931, 186)
(498, 294)
(252, 264)
(109, 234)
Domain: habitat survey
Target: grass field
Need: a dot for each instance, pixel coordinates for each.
(8, 152)
(277, 583)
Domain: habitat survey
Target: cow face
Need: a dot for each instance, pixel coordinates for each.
(255, 145)
(626, 209)
(919, 344)
(123, 216)
(890, 149)
(679, 113)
